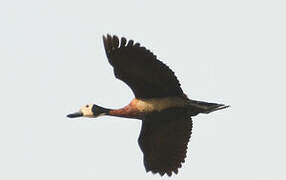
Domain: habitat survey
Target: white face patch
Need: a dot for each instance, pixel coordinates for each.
(87, 110)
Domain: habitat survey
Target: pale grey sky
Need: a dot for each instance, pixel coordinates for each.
(52, 61)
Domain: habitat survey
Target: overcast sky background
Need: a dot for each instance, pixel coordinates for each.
(52, 61)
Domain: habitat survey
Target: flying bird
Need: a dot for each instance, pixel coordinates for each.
(160, 103)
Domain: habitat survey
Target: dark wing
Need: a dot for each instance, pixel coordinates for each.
(140, 69)
(163, 140)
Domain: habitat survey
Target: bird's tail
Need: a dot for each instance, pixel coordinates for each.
(205, 107)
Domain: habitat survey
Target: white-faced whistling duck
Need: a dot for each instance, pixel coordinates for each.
(159, 102)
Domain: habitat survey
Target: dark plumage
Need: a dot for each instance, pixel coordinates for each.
(164, 138)
(141, 70)
(159, 102)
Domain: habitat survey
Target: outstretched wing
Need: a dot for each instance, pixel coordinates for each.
(140, 69)
(163, 140)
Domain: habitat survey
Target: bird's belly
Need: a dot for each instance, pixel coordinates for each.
(157, 104)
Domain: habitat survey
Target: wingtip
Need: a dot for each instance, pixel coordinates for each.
(106, 36)
(169, 172)
(109, 39)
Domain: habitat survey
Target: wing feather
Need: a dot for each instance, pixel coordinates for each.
(140, 69)
(164, 139)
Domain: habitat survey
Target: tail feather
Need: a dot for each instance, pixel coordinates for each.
(205, 107)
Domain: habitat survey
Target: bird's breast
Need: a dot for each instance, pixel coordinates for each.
(157, 104)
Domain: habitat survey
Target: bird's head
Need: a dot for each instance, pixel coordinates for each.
(89, 110)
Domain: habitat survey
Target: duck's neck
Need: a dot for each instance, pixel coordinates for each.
(127, 112)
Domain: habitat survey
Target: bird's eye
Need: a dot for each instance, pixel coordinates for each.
(87, 106)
